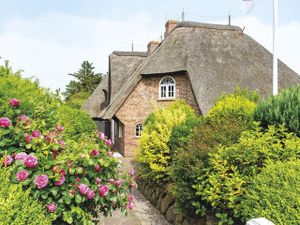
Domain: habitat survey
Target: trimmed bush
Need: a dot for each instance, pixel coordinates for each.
(17, 206)
(281, 109)
(274, 194)
(153, 151)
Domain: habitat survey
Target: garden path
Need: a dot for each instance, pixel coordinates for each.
(143, 212)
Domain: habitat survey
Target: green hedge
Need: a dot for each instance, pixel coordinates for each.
(274, 194)
(281, 109)
(17, 206)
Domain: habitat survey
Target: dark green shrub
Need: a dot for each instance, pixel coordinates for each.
(281, 109)
(274, 194)
(17, 206)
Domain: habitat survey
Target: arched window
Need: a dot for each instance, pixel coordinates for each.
(167, 87)
(138, 130)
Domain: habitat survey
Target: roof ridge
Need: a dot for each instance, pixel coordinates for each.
(208, 26)
(130, 53)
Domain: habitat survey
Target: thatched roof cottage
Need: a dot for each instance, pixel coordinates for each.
(196, 62)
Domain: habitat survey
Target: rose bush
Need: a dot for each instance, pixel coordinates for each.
(74, 180)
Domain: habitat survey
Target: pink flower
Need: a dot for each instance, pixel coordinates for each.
(97, 168)
(83, 189)
(61, 181)
(90, 194)
(98, 180)
(31, 161)
(41, 181)
(131, 185)
(23, 117)
(62, 143)
(63, 172)
(108, 142)
(118, 183)
(131, 172)
(59, 128)
(103, 190)
(95, 152)
(72, 192)
(130, 206)
(110, 154)
(5, 122)
(28, 138)
(21, 156)
(22, 175)
(14, 102)
(7, 160)
(111, 180)
(36, 133)
(51, 207)
(101, 135)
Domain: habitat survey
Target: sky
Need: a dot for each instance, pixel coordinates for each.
(48, 39)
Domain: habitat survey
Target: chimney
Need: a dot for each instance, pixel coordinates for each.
(170, 25)
(151, 46)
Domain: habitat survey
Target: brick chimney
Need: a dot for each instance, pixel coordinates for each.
(170, 25)
(151, 46)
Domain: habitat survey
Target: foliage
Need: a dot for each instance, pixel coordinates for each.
(153, 151)
(283, 108)
(239, 105)
(87, 80)
(16, 205)
(274, 194)
(227, 175)
(75, 121)
(77, 100)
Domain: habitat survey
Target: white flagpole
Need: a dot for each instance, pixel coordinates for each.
(275, 59)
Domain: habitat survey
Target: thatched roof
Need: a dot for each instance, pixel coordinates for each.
(217, 59)
(96, 102)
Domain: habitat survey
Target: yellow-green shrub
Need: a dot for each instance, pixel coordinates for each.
(17, 206)
(153, 151)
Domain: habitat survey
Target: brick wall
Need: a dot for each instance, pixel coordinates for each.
(140, 104)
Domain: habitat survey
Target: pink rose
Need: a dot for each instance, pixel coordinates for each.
(21, 156)
(36, 133)
(118, 183)
(131, 185)
(5, 122)
(59, 128)
(111, 180)
(130, 206)
(103, 190)
(110, 154)
(95, 152)
(62, 143)
(41, 181)
(7, 160)
(101, 135)
(83, 189)
(108, 142)
(61, 181)
(23, 117)
(51, 207)
(31, 161)
(14, 102)
(90, 194)
(131, 172)
(22, 175)
(28, 138)
(72, 192)
(98, 180)
(97, 168)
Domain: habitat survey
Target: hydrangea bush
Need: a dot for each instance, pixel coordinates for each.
(73, 179)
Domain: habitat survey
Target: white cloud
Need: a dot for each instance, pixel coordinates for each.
(54, 44)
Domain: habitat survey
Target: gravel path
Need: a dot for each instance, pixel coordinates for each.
(143, 212)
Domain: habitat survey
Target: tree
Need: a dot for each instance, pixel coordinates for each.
(86, 80)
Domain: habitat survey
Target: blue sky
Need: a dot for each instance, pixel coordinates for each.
(50, 38)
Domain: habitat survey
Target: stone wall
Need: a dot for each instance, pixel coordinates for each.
(141, 102)
(165, 203)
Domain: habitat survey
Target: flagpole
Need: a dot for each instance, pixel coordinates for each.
(275, 59)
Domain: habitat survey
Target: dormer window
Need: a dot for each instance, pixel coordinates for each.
(167, 88)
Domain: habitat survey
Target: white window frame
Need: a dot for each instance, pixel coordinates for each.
(120, 131)
(168, 86)
(138, 130)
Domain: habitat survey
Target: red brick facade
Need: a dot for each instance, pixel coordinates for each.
(140, 104)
